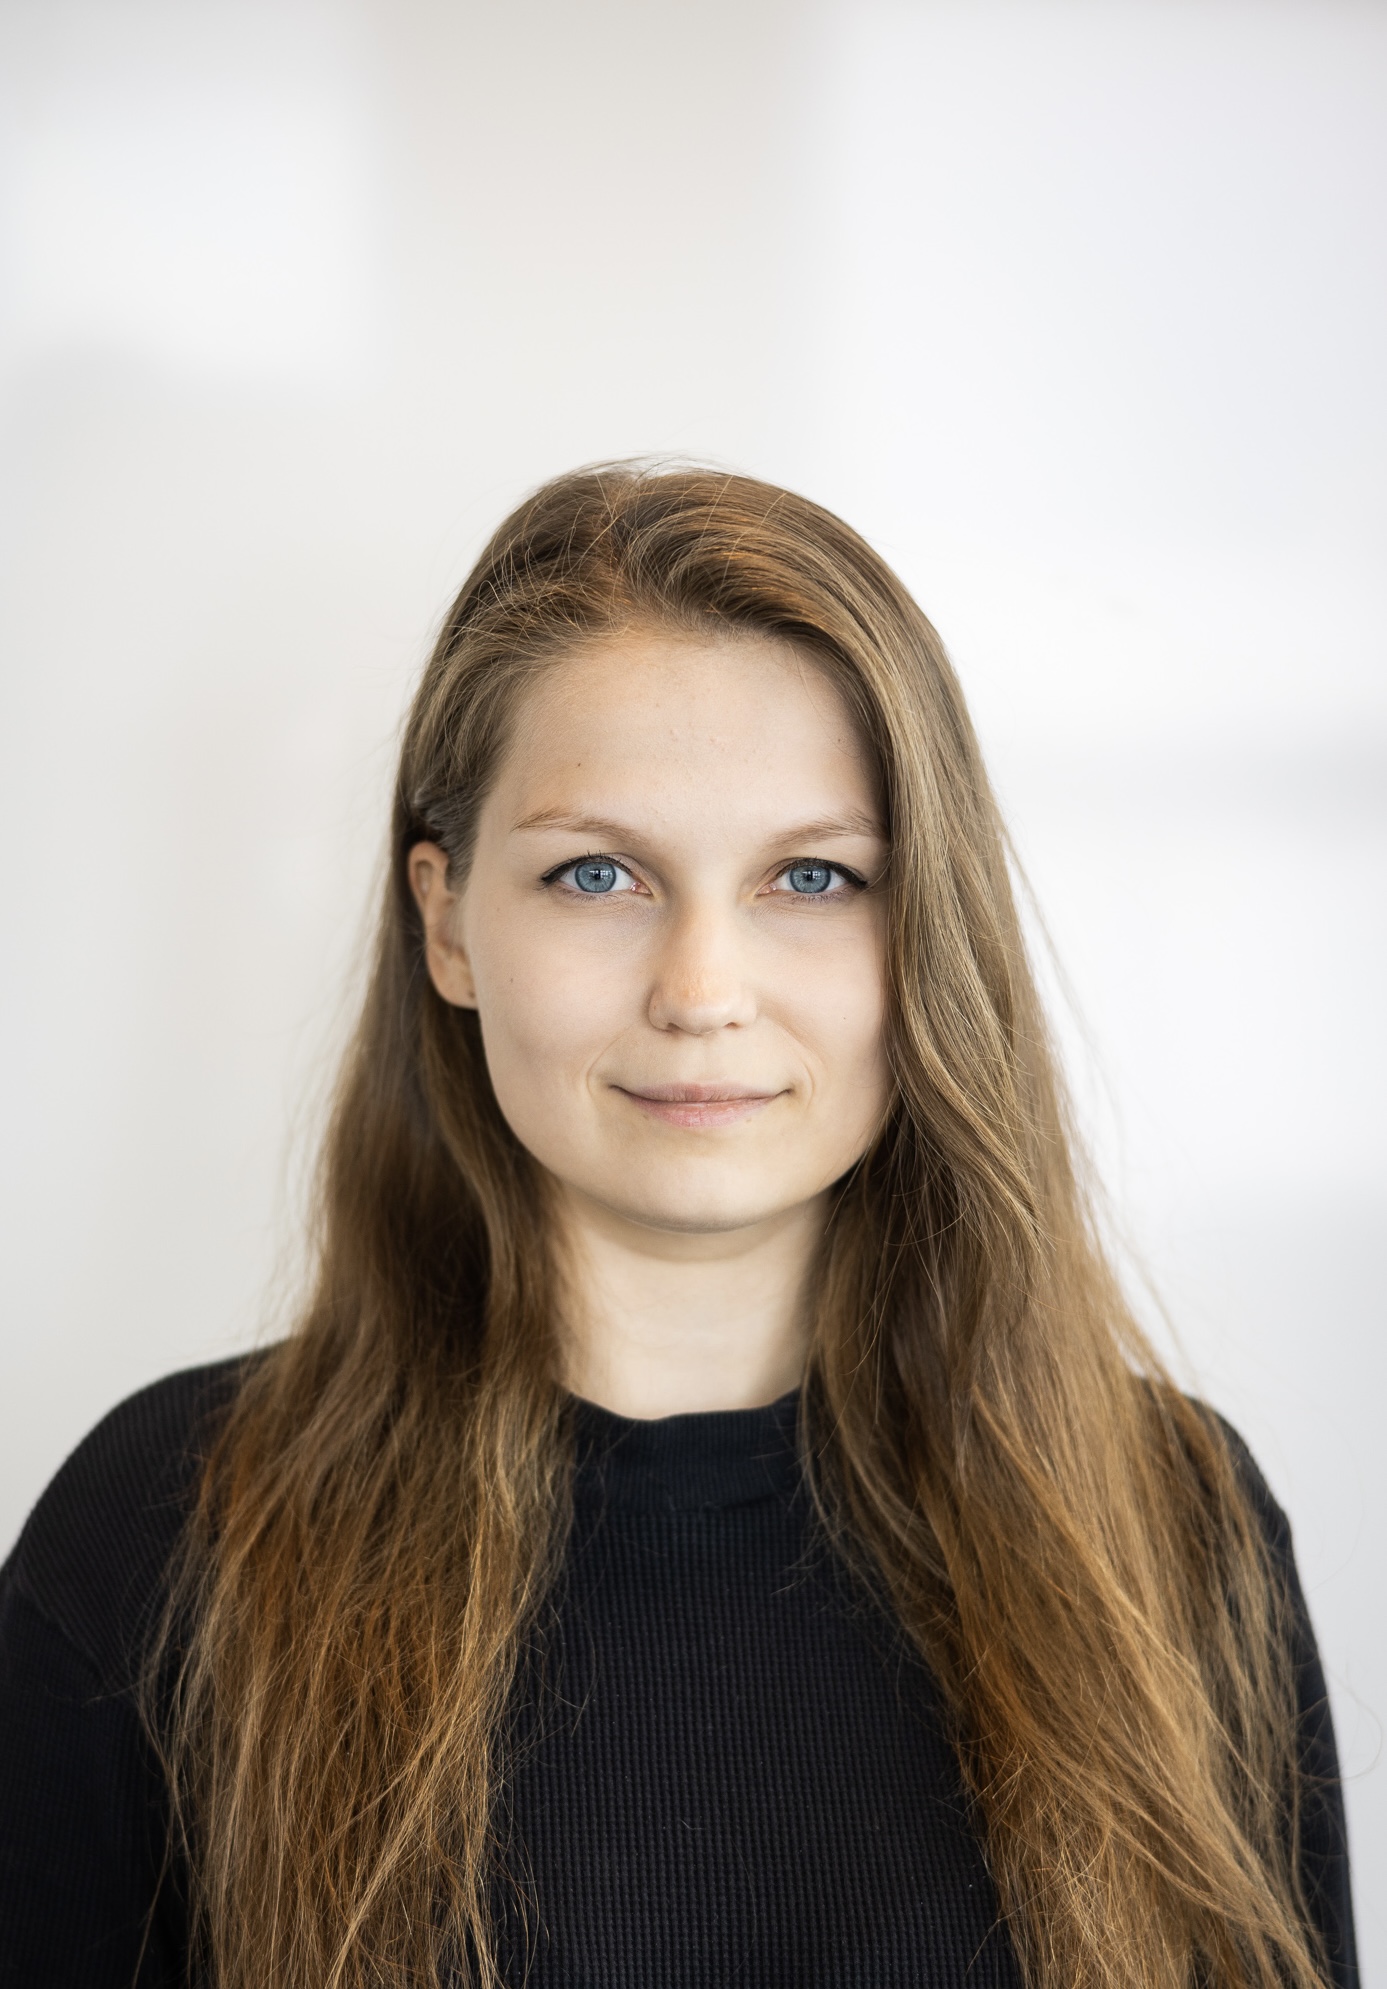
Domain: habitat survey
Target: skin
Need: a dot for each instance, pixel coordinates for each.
(697, 1054)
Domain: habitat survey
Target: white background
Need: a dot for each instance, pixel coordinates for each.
(1078, 310)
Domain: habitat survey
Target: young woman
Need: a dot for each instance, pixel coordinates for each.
(717, 1521)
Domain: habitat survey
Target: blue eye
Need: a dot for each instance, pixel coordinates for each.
(809, 878)
(595, 875)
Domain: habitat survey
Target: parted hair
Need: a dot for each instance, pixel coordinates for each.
(1067, 1539)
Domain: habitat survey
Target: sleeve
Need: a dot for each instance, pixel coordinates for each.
(1324, 1861)
(91, 1893)
(86, 1900)
(1323, 1832)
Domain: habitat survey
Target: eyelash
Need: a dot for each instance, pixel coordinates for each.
(852, 878)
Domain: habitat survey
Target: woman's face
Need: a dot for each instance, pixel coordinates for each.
(673, 931)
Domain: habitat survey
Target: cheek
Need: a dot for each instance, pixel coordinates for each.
(840, 1006)
(546, 1011)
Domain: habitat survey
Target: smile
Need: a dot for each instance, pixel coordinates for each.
(698, 1106)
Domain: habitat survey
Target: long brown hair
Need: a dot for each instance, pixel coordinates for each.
(1065, 1536)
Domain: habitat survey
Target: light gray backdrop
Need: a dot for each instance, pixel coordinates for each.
(1078, 310)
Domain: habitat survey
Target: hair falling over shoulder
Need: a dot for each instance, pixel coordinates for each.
(1063, 1534)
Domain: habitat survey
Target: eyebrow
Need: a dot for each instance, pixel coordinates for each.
(852, 823)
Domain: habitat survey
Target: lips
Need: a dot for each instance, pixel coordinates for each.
(698, 1106)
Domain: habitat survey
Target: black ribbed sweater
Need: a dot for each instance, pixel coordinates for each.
(728, 1768)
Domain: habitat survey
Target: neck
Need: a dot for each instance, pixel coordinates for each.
(665, 1322)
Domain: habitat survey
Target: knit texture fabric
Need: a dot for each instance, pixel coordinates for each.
(730, 1768)
(726, 1767)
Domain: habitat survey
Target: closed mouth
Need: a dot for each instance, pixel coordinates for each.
(697, 1105)
(693, 1094)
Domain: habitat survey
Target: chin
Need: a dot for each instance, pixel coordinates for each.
(699, 1207)
(699, 1222)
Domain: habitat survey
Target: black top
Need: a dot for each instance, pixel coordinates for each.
(729, 1768)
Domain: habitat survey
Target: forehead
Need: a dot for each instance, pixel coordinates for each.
(666, 718)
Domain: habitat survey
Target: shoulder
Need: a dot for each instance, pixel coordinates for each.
(1275, 1525)
(1213, 1458)
(94, 1553)
(1259, 1503)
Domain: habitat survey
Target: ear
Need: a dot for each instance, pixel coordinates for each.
(444, 953)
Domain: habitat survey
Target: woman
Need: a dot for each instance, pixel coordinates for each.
(717, 1520)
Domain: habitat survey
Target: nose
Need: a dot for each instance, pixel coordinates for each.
(701, 983)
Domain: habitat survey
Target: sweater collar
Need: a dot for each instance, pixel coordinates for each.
(723, 1457)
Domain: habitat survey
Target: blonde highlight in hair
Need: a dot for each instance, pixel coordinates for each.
(1065, 1537)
